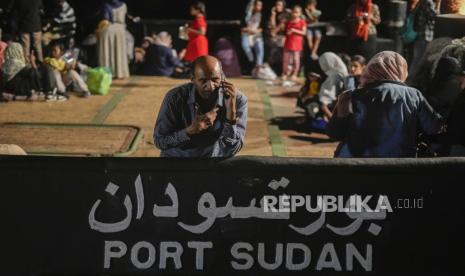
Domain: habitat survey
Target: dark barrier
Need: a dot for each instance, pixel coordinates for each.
(242, 216)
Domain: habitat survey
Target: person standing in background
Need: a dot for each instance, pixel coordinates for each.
(65, 19)
(112, 42)
(30, 26)
(197, 44)
(363, 16)
(252, 33)
(296, 28)
(426, 11)
(276, 34)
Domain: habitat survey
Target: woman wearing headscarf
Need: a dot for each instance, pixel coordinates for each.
(112, 42)
(23, 79)
(363, 16)
(336, 73)
(384, 117)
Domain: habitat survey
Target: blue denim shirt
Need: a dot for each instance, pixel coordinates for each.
(386, 120)
(177, 113)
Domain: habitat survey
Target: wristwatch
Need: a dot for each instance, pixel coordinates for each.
(231, 122)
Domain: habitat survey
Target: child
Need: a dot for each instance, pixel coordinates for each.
(64, 71)
(309, 90)
(313, 34)
(357, 65)
(296, 28)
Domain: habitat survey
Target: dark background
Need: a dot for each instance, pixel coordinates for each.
(88, 11)
(153, 12)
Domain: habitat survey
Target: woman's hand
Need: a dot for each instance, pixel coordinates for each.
(182, 54)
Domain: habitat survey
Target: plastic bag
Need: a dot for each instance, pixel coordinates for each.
(99, 80)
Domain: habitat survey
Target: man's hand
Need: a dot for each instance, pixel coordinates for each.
(230, 93)
(202, 122)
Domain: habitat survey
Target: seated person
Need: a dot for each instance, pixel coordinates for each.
(445, 87)
(385, 116)
(455, 135)
(160, 59)
(64, 71)
(309, 90)
(22, 80)
(336, 71)
(312, 14)
(357, 64)
(204, 118)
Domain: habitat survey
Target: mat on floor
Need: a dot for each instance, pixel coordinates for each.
(72, 139)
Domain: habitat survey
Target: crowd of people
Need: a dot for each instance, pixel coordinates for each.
(40, 62)
(378, 117)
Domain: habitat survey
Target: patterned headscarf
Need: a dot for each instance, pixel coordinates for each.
(14, 61)
(386, 65)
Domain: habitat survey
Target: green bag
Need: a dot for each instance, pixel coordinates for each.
(408, 34)
(99, 80)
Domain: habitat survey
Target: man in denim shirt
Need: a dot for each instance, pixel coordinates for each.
(204, 118)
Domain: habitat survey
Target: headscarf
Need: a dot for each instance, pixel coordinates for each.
(164, 39)
(108, 7)
(386, 65)
(361, 28)
(331, 63)
(14, 60)
(335, 70)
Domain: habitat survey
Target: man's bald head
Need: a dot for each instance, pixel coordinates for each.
(207, 64)
(207, 75)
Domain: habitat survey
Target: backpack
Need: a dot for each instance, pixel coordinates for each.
(408, 33)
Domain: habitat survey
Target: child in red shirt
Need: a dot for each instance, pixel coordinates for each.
(197, 45)
(296, 28)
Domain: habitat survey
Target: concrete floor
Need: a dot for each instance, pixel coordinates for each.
(271, 126)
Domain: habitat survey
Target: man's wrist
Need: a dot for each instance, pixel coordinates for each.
(231, 121)
(230, 116)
